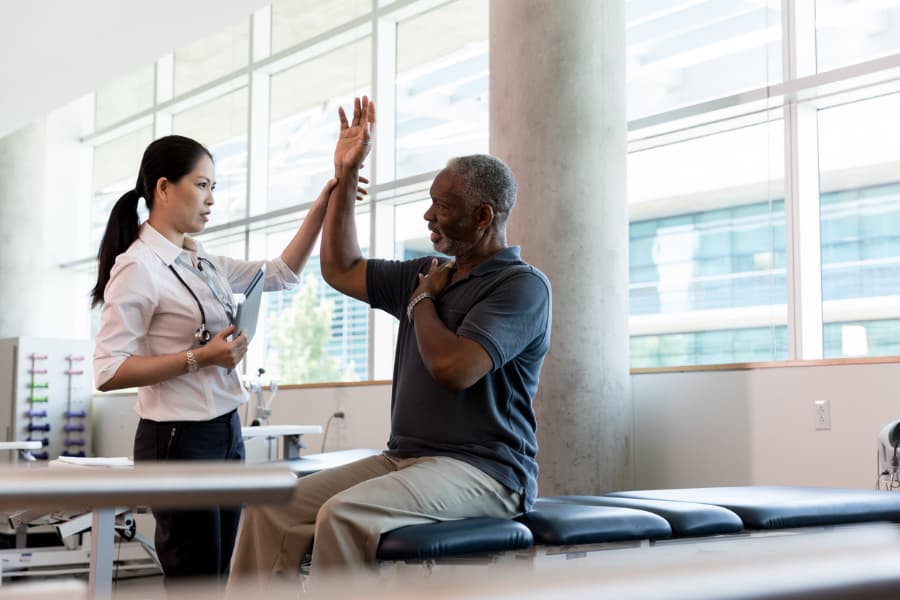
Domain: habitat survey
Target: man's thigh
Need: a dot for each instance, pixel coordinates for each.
(312, 491)
(437, 488)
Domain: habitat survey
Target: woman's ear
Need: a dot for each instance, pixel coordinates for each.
(162, 185)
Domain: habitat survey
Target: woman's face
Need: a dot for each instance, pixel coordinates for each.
(190, 200)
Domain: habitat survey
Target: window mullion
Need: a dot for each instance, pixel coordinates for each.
(802, 222)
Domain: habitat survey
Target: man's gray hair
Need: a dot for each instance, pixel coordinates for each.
(485, 179)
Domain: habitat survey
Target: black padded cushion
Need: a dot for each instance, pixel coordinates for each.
(685, 518)
(776, 507)
(563, 524)
(480, 535)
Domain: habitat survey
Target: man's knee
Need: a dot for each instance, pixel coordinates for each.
(337, 510)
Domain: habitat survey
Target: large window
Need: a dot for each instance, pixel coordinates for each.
(442, 86)
(262, 95)
(303, 120)
(764, 180)
(763, 169)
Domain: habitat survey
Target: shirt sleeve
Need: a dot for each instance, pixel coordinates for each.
(389, 283)
(130, 300)
(239, 273)
(511, 317)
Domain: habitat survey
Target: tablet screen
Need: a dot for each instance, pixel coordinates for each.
(248, 310)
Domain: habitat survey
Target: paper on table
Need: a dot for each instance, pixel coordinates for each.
(92, 461)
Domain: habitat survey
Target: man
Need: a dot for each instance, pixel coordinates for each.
(472, 337)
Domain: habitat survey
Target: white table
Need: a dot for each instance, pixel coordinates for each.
(183, 486)
(20, 445)
(290, 435)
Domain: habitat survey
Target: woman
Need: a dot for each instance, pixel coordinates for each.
(165, 328)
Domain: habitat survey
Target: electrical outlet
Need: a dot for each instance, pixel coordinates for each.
(822, 414)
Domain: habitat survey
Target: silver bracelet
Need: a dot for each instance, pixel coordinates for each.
(416, 300)
(192, 364)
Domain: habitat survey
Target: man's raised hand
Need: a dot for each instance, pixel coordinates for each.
(355, 139)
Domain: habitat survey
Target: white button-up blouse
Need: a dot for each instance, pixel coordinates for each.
(148, 312)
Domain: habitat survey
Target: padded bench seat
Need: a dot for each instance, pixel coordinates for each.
(643, 514)
(779, 507)
(556, 523)
(549, 523)
(686, 519)
(454, 538)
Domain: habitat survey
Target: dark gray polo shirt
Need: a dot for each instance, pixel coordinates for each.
(504, 305)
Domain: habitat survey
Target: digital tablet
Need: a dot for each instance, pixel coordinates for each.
(248, 309)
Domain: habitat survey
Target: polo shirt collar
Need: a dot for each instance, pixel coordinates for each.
(510, 255)
(162, 247)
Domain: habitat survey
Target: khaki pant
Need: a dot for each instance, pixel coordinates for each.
(346, 509)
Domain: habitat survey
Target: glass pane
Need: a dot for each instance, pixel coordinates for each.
(851, 31)
(411, 235)
(230, 242)
(221, 126)
(295, 21)
(860, 219)
(116, 165)
(681, 53)
(304, 122)
(124, 97)
(411, 239)
(313, 333)
(707, 249)
(442, 86)
(723, 346)
(212, 57)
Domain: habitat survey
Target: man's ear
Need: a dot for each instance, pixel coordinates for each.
(485, 216)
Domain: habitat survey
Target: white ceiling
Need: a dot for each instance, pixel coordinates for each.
(54, 51)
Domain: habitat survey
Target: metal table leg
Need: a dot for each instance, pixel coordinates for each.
(102, 539)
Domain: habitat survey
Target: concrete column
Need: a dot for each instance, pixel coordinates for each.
(557, 102)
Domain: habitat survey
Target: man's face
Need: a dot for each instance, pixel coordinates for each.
(450, 218)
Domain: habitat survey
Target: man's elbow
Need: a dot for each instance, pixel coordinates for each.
(334, 270)
(452, 377)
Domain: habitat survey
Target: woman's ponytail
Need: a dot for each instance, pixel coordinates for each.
(170, 157)
(121, 231)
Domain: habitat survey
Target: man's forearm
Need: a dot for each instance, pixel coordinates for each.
(454, 362)
(340, 246)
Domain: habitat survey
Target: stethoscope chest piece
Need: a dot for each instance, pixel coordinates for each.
(203, 335)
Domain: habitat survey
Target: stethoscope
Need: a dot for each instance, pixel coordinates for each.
(203, 335)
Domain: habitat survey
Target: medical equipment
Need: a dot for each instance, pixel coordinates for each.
(889, 457)
(184, 486)
(263, 407)
(46, 389)
(203, 335)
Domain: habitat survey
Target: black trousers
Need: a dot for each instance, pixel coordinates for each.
(193, 543)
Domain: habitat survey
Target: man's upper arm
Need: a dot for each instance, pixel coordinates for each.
(389, 283)
(510, 318)
(352, 282)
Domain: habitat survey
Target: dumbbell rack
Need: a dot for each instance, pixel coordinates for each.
(46, 389)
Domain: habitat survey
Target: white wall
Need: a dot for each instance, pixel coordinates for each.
(57, 50)
(707, 428)
(757, 427)
(366, 423)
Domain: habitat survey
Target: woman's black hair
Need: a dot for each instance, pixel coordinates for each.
(172, 157)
